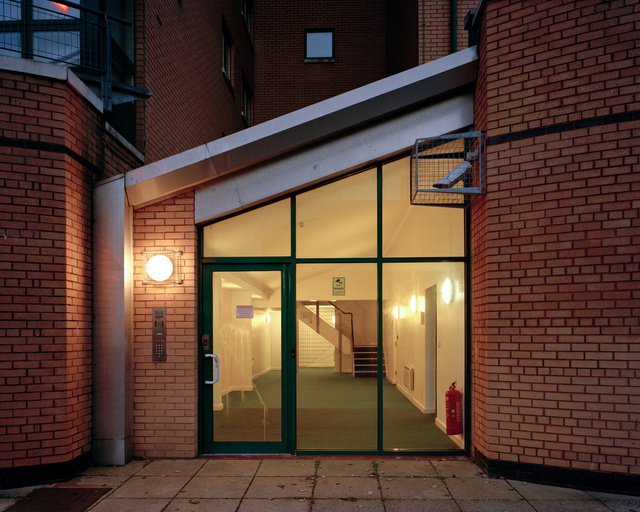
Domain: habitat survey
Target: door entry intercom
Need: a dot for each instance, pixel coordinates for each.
(159, 334)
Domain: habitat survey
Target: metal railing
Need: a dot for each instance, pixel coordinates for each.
(97, 45)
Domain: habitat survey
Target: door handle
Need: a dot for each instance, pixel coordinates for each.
(216, 368)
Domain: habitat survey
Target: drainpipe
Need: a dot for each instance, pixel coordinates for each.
(454, 25)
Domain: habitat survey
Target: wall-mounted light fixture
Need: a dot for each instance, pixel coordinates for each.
(396, 312)
(447, 291)
(161, 268)
(267, 318)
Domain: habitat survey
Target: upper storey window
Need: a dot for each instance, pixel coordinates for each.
(227, 53)
(319, 46)
(247, 14)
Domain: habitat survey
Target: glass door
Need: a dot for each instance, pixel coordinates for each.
(242, 359)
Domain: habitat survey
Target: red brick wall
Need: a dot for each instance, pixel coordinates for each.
(166, 393)
(179, 57)
(562, 234)
(479, 259)
(435, 27)
(284, 82)
(49, 157)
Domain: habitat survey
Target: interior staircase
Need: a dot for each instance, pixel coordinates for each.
(365, 361)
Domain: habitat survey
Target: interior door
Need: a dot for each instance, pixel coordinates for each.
(242, 359)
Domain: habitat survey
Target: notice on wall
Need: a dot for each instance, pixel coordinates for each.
(338, 285)
(244, 311)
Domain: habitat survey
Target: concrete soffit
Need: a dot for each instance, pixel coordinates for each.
(407, 100)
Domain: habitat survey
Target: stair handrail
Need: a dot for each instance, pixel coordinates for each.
(351, 337)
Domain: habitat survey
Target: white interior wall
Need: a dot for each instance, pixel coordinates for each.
(405, 336)
(315, 281)
(451, 341)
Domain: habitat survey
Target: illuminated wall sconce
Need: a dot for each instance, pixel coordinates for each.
(267, 318)
(447, 291)
(396, 312)
(161, 268)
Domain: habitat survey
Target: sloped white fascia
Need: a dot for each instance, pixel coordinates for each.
(346, 112)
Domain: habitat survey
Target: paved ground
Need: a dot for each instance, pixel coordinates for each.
(324, 485)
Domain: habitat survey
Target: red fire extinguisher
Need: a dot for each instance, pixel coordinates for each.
(453, 406)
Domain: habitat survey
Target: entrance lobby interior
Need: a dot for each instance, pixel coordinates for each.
(335, 325)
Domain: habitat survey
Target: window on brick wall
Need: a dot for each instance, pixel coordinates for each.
(246, 8)
(247, 101)
(318, 45)
(227, 54)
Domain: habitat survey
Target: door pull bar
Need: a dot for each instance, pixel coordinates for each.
(216, 368)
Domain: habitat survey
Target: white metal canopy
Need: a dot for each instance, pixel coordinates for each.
(310, 144)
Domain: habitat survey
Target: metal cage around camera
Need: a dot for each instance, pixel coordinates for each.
(447, 170)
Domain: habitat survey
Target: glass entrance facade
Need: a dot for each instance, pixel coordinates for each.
(376, 313)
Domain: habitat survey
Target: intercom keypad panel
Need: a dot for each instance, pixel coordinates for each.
(159, 334)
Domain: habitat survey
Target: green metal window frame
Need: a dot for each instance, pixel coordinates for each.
(289, 382)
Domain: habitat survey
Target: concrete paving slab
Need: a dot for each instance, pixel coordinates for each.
(216, 487)
(495, 506)
(347, 487)
(95, 481)
(294, 467)
(151, 487)
(547, 492)
(421, 506)
(389, 468)
(168, 467)
(20, 491)
(481, 489)
(342, 467)
(332, 505)
(203, 505)
(129, 505)
(414, 489)
(458, 468)
(5, 503)
(569, 506)
(275, 505)
(125, 471)
(280, 487)
(618, 502)
(223, 467)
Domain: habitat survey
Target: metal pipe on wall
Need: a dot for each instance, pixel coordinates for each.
(454, 25)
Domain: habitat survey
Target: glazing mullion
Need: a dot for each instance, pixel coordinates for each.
(291, 388)
(380, 344)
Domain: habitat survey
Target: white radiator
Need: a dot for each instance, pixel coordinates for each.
(408, 377)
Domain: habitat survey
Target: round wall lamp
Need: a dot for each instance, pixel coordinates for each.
(161, 268)
(447, 291)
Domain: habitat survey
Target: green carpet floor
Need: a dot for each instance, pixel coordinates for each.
(334, 412)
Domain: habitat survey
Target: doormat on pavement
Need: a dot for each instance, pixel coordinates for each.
(59, 499)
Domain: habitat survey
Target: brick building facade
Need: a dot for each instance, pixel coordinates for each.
(553, 337)
(555, 320)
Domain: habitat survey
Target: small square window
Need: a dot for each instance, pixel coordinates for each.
(318, 45)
